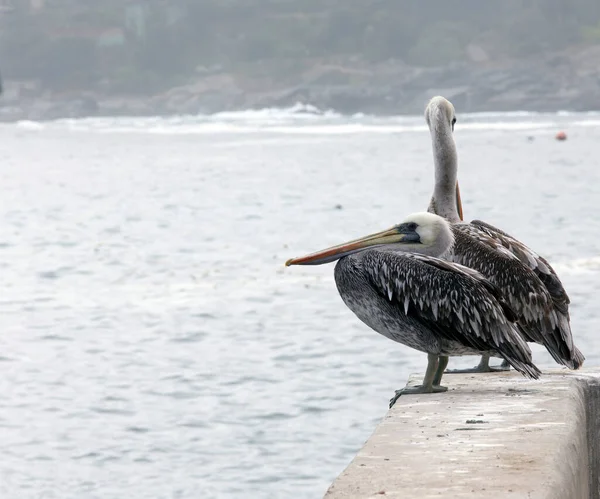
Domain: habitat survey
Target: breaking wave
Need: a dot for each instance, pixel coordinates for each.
(578, 266)
(308, 119)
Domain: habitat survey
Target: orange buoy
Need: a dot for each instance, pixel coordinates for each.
(561, 135)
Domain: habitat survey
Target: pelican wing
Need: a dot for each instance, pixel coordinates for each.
(520, 286)
(456, 302)
(535, 262)
(528, 282)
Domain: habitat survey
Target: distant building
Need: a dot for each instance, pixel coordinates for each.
(37, 5)
(6, 6)
(137, 13)
(135, 18)
(102, 37)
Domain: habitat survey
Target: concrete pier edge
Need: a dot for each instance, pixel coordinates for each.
(495, 435)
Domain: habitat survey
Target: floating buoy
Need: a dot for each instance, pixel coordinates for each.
(561, 135)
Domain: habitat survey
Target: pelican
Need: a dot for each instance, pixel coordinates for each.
(528, 282)
(398, 283)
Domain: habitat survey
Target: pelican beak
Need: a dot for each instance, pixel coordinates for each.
(389, 236)
(459, 202)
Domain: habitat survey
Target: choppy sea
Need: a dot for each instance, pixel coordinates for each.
(152, 344)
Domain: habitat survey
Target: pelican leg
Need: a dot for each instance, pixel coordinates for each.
(439, 372)
(428, 386)
(505, 366)
(482, 367)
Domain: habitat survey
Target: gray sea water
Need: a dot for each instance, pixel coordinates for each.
(152, 344)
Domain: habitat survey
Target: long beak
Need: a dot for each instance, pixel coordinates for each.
(389, 236)
(459, 202)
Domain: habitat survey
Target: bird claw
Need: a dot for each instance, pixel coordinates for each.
(413, 390)
(394, 399)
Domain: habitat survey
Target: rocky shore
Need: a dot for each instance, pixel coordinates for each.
(569, 80)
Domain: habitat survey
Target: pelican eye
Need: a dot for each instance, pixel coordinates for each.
(453, 122)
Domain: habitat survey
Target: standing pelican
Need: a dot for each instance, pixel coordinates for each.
(527, 281)
(397, 284)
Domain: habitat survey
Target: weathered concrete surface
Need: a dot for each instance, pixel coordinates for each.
(494, 435)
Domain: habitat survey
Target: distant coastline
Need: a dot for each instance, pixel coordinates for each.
(569, 80)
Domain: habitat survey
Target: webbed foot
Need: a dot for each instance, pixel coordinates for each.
(482, 367)
(415, 390)
(479, 369)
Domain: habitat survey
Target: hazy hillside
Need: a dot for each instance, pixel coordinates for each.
(232, 49)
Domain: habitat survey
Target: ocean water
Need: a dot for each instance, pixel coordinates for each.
(152, 343)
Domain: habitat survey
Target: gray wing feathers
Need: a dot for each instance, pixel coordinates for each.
(553, 325)
(455, 302)
(535, 262)
(525, 293)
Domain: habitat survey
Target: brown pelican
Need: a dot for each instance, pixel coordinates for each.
(527, 281)
(398, 283)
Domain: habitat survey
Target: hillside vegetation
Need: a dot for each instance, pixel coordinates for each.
(66, 45)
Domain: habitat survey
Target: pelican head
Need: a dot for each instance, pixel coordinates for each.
(423, 233)
(440, 112)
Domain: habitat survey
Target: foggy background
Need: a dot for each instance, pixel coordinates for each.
(83, 58)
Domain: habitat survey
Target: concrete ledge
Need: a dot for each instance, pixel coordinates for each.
(494, 435)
